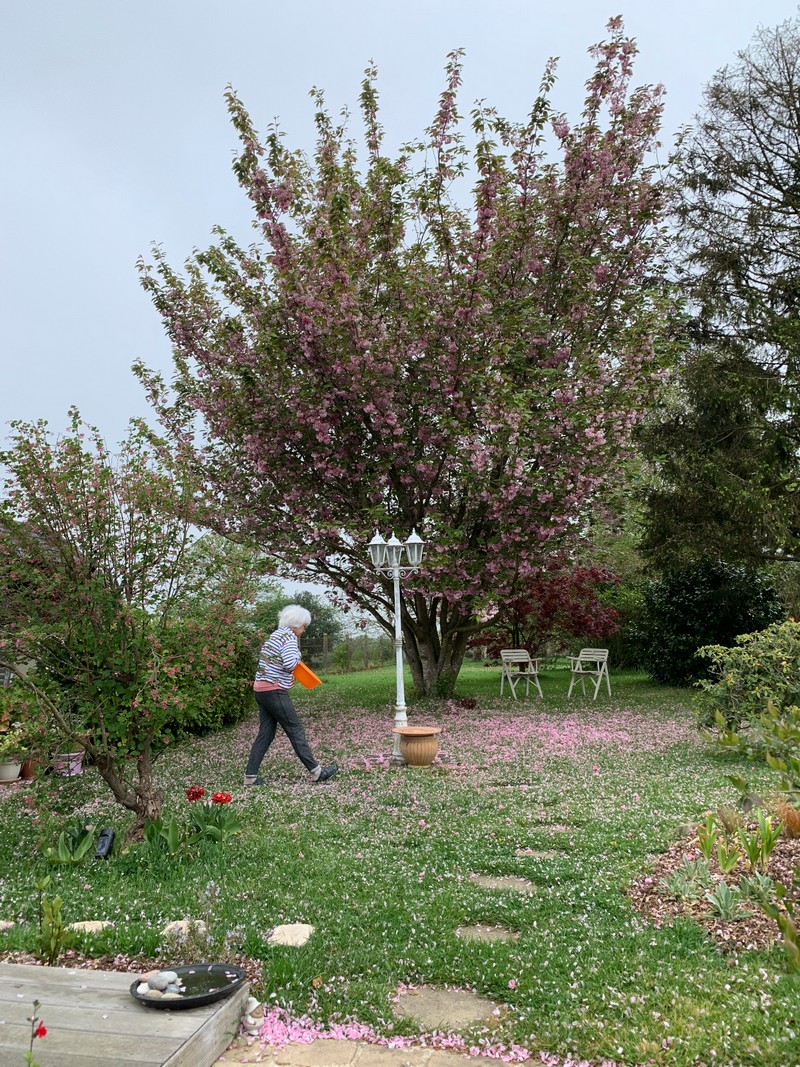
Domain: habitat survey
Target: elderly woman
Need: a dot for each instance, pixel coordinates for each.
(279, 656)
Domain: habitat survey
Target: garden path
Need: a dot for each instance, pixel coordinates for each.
(433, 1008)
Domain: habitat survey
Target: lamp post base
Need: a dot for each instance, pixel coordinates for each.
(397, 759)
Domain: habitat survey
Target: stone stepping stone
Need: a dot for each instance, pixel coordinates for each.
(91, 926)
(444, 1009)
(486, 933)
(325, 1052)
(183, 927)
(506, 881)
(291, 934)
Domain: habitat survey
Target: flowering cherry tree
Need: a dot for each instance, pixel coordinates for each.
(397, 352)
(98, 561)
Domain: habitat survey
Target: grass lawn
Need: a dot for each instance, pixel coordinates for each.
(575, 797)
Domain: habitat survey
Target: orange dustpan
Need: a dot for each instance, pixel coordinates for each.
(305, 676)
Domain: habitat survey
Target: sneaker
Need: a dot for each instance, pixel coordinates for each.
(258, 781)
(327, 772)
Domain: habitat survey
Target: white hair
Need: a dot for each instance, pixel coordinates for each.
(293, 615)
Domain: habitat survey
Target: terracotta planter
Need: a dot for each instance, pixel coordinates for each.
(9, 770)
(418, 744)
(28, 772)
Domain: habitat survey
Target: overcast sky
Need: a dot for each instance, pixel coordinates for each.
(115, 136)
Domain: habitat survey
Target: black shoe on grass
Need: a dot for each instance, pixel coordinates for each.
(327, 772)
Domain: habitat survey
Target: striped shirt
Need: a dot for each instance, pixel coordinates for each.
(279, 656)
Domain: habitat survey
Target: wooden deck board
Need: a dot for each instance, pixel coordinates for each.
(92, 1019)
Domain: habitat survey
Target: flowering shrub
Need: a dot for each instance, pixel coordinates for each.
(213, 690)
(763, 668)
(754, 701)
(22, 729)
(107, 589)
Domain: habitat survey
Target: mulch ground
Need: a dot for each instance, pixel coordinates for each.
(753, 931)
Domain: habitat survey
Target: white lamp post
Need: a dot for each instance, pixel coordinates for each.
(386, 557)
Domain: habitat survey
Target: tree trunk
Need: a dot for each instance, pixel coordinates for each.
(144, 798)
(438, 679)
(435, 645)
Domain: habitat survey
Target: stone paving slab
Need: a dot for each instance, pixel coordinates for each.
(237, 1056)
(330, 1053)
(296, 934)
(239, 1052)
(381, 1056)
(319, 1053)
(442, 1058)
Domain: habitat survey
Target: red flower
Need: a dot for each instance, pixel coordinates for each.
(195, 792)
(41, 1030)
(222, 798)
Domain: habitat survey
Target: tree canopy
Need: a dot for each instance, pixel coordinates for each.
(721, 466)
(725, 444)
(397, 352)
(272, 598)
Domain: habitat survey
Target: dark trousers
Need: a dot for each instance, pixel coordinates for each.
(275, 708)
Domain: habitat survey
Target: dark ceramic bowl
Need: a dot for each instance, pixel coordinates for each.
(204, 982)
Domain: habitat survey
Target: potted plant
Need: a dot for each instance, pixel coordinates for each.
(12, 752)
(22, 731)
(68, 764)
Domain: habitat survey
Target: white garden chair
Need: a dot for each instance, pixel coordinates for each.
(517, 664)
(590, 663)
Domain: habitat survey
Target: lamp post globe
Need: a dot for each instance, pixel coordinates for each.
(377, 551)
(415, 546)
